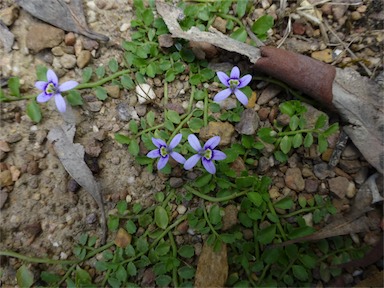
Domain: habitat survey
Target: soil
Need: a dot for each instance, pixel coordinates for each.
(44, 212)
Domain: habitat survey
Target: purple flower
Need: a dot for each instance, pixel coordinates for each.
(206, 154)
(51, 88)
(234, 83)
(163, 151)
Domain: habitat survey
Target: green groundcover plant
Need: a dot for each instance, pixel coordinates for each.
(146, 236)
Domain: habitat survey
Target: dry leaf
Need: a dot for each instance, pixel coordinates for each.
(123, 238)
(72, 157)
(64, 15)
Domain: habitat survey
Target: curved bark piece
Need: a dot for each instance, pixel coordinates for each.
(69, 17)
(308, 75)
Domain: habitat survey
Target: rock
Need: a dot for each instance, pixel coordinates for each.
(223, 129)
(323, 171)
(4, 146)
(33, 229)
(176, 107)
(283, 120)
(41, 36)
(182, 228)
(176, 182)
(350, 153)
(339, 186)
(350, 166)
(228, 104)
(125, 26)
(166, 41)
(263, 113)
(268, 94)
(15, 172)
(294, 180)
(249, 122)
(92, 147)
(123, 238)
(308, 218)
(145, 93)
(141, 110)
(148, 279)
(125, 112)
(94, 106)
(230, 217)
(300, 46)
(274, 193)
(57, 51)
(5, 178)
(89, 44)
(356, 15)
(13, 138)
(212, 267)
(323, 55)
(91, 218)
(70, 39)
(339, 11)
(7, 39)
(73, 186)
(298, 28)
(238, 166)
(3, 198)
(220, 24)
(113, 91)
(33, 168)
(68, 61)
(311, 185)
(83, 59)
(263, 165)
(9, 15)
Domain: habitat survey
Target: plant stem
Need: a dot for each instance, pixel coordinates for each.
(263, 273)
(209, 222)
(297, 131)
(303, 210)
(214, 199)
(35, 259)
(272, 209)
(103, 80)
(174, 254)
(229, 17)
(206, 110)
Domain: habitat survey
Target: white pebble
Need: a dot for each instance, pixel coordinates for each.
(181, 209)
(128, 199)
(125, 27)
(63, 255)
(200, 104)
(144, 93)
(33, 128)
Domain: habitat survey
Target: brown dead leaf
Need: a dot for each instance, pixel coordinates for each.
(123, 238)
(212, 268)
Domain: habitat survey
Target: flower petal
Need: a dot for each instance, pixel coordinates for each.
(175, 141)
(194, 142)
(68, 85)
(235, 73)
(153, 153)
(158, 142)
(222, 95)
(191, 162)
(212, 142)
(52, 77)
(244, 81)
(42, 97)
(209, 166)
(60, 103)
(241, 97)
(162, 162)
(41, 85)
(178, 157)
(223, 78)
(218, 155)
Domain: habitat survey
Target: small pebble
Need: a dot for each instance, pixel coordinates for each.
(181, 209)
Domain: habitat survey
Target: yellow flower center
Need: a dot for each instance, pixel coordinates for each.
(233, 83)
(50, 88)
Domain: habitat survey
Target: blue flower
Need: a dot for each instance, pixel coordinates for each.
(234, 83)
(51, 89)
(163, 151)
(205, 153)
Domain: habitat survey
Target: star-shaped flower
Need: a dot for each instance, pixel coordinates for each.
(234, 83)
(163, 151)
(207, 154)
(51, 88)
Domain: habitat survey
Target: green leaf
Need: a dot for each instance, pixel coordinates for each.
(87, 74)
(287, 107)
(41, 73)
(291, 251)
(285, 203)
(122, 139)
(186, 251)
(267, 234)
(130, 227)
(321, 121)
(308, 140)
(240, 35)
(187, 55)
(302, 201)
(101, 93)
(83, 239)
(195, 79)
(121, 274)
(301, 232)
(195, 124)
(121, 206)
(256, 198)
(150, 118)
(294, 122)
(262, 25)
(245, 182)
(74, 98)
(271, 256)
(131, 269)
(214, 215)
(14, 86)
(322, 143)
(49, 278)
(186, 272)
(173, 116)
(113, 223)
(82, 277)
(127, 82)
(202, 180)
(151, 70)
(133, 147)
(133, 127)
(280, 156)
(325, 274)
(241, 7)
(161, 217)
(100, 71)
(24, 277)
(309, 262)
(147, 17)
(163, 280)
(33, 111)
(113, 65)
(170, 75)
(332, 129)
(286, 144)
(300, 272)
(297, 140)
